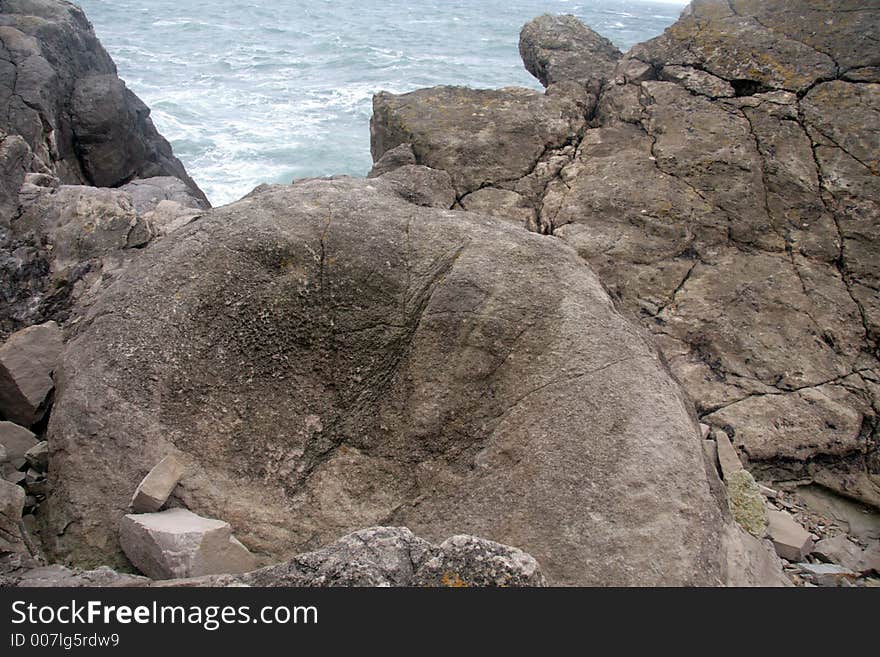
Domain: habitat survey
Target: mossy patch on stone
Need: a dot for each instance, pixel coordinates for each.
(747, 503)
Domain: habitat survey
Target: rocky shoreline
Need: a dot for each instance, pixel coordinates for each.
(628, 325)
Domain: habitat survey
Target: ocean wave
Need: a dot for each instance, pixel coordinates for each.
(271, 90)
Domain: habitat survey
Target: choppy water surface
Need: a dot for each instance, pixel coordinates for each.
(271, 90)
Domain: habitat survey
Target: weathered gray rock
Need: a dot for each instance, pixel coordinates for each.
(78, 237)
(155, 489)
(501, 203)
(561, 48)
(17, 441)
(60, 92)
(480, 137)
(27, 360)
(792, 542)
(725, 191)
(56, 575)
(15, 162)
(11, 507)
(828, 574)
(394, 556)
(841, 550)
(697, 81)
(148, 193)
(393, 158)
(66, 118)
(750, 561)
(420, 185)
(38, 456)
(451, 372)
(178, 543)
(378, 556)
(470, 561)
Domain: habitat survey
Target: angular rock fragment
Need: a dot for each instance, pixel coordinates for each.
(147, 193)
(840, 550)
(828, 574)
(727, 456)
(792, 542)
(17, 441)
(27, 360)
(392, 159)
(154, 489)
(179, 543)
(38, 456)
(561, 48)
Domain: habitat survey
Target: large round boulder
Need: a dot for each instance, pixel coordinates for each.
(326, 356)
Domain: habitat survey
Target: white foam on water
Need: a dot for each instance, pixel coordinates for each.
(270, 90)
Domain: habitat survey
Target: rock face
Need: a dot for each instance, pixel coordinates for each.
(561, 48)
(451, 373)
(66, 123)
(507, 138)
(178, 543)
(725, 190)
(60, 92)
(27, 360)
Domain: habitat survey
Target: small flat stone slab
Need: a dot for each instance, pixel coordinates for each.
(156, 487)
(792, 542)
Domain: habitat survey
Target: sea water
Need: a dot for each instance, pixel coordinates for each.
(271, 90)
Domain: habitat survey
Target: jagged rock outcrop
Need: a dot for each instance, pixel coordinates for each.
(726, 192)
(378, 556)
(68, 240)
(561, 48)
(67, 123)
(506, 139)
(59, 90)
(451, 373)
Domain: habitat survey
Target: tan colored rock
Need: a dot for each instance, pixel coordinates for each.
(178, 543)
(792, 542)
(27, 360)
(727, 456)
(157, 486)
